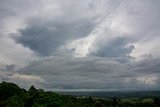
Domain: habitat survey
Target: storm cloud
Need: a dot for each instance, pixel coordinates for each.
(81, 45)
(45, 38)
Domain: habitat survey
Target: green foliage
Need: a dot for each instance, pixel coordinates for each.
(8, 89)
(15, 101)
(13, 96)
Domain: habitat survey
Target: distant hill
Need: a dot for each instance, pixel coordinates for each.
(114, 94)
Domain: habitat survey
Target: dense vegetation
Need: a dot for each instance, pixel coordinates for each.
(13, 96)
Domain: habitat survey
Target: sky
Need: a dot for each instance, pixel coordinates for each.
(80, 44)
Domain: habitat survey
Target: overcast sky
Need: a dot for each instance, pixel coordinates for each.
(81, 44)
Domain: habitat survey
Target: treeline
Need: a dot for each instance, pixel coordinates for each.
(11, 95)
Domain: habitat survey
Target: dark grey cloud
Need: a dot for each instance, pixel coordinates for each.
(93, 73)
(147, 66)
(74, 72)
(45, 38)
(117, 49)
(9, 67)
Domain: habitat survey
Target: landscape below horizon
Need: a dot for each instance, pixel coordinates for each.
(11, 95)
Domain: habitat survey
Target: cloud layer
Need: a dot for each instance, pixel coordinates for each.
(91, 44)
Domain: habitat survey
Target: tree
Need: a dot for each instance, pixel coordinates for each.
(8, 90)
(157, 101)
